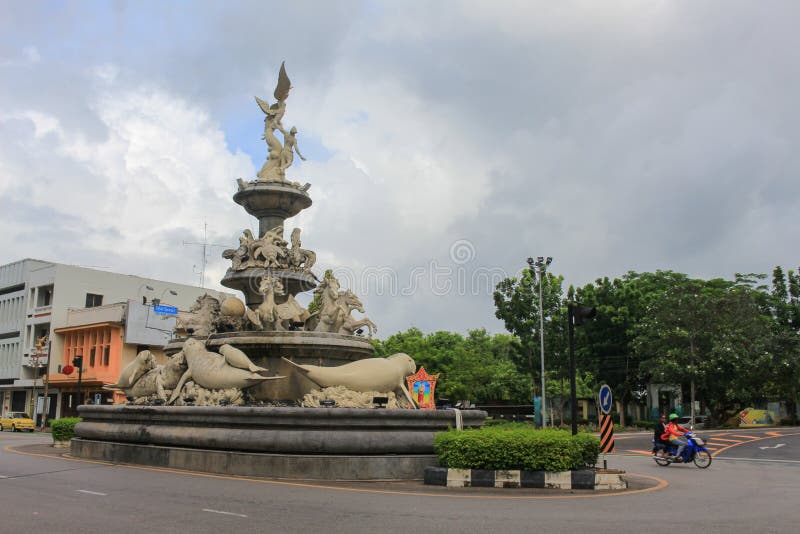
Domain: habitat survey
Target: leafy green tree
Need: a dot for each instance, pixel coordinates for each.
(785, 305)
(604, 345)
(710, 334)
(478, 367)
(517, 305)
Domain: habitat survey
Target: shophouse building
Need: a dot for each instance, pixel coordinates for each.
(105, 317)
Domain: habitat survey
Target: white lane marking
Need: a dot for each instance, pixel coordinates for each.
(3, 476)
(721, 458)
(92, 492)
(223, 513)
(775, 447)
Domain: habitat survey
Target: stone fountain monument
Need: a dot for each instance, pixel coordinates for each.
(253, 386)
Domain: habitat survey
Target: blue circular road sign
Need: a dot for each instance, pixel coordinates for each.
(605, 399)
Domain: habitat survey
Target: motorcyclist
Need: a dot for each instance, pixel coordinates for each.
(675, 435)
(659, 444)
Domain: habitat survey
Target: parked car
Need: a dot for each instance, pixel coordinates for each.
(17, 422)
(699, 421)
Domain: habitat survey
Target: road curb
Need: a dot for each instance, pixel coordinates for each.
(588, 479)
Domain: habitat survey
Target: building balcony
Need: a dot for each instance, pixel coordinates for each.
(27, 361)
(110, 313)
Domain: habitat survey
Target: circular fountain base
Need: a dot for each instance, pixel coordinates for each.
(295, 443)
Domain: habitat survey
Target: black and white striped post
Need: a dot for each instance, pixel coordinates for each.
(606, 423)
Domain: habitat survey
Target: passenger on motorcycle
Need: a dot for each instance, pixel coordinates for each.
(675, 434)
(659, 444)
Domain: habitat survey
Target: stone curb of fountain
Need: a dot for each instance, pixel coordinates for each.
(589, 479)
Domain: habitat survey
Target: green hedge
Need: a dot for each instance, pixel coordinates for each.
(64, 429)
(516, 447)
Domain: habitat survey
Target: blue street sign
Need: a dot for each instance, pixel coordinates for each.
(605, 399)
(165, 310)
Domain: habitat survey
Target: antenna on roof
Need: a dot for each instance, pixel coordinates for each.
(206, 245)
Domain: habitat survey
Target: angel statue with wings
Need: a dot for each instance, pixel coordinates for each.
(275, 167)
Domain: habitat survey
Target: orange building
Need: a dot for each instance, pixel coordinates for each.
(98, 335)
(101, 347)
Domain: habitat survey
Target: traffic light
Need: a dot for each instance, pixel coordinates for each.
(583, 314)
(77, 361)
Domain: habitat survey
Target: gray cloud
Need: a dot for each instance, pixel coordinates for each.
(612, 137)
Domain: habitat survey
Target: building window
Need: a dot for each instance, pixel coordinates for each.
(94, 344)
(92, 300)
(44, 296)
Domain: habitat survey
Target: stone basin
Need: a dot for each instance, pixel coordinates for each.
(298, 443)
(267, 349)
(272, 203)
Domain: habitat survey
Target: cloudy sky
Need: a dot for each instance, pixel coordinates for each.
(446, 141)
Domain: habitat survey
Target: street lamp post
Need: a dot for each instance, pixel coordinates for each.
(541, 265)
(139, 291)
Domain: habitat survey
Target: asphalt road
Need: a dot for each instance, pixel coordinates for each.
(747, 444)
(52, 494)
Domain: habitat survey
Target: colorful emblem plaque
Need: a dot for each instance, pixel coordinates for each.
(421, 386)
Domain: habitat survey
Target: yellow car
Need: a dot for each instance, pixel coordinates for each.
(17, 422)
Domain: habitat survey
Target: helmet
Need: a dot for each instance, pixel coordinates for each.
(673, 416)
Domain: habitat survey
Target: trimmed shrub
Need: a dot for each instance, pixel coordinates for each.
(64, 429)
(644, 424)
(515, 447)
(590, 447)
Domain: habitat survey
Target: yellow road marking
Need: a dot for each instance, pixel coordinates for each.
(776, 435)
(743, 436)
(715, 438)
(661, 483)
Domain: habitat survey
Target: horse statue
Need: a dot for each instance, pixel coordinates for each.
(335, 309)
(349, 302)
(271, 315)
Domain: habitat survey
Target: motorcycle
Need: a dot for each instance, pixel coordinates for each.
(695, 452)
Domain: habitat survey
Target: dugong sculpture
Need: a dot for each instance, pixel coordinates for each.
(156, 381)
(214, 371)
(144, 362)
(239, 359)
(371, 374)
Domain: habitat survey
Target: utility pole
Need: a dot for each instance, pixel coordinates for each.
(206, 245)
(77, 361)
(46, 384)
(37, 353)
(576, 315)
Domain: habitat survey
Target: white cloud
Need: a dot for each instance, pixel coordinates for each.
(161, 167)
(614, 136)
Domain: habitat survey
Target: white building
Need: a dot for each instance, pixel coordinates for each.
(39, 297)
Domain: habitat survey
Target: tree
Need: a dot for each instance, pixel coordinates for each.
(785, 307)
(604, 346)
(517, 305)
(710, 334)
(478, 367)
